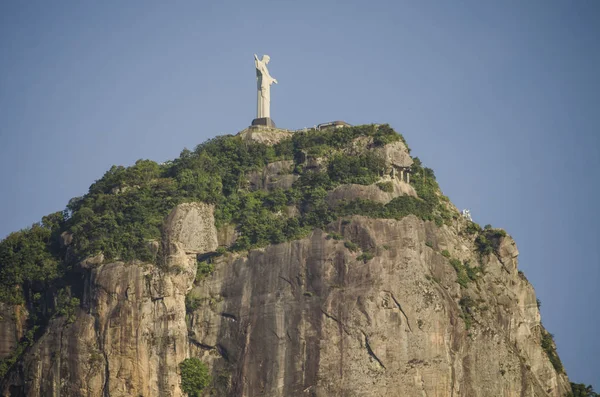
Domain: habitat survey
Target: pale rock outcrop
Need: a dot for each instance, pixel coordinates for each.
(275, 175)
(269, 136)
(192, 226)
(396, 154)
(370, 192)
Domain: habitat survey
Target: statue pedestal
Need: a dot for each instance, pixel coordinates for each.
(264, 121)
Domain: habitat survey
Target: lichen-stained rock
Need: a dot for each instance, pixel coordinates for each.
(192, 225)
(309, 318)
(130, 334)
(351, 192)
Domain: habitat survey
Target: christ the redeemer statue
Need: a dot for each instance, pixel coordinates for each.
(264, 81)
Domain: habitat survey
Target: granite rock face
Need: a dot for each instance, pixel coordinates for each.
(309, 318)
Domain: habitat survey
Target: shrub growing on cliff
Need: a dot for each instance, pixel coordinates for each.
(473, 228)
(365, 256)
(461, 274)
(194, 376)
(488, 241)
(387, 187)
(549, 347)
(467, 305)
(204, 268)
(582, 390)
(351, 246)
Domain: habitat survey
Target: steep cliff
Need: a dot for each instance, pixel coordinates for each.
(360, 284)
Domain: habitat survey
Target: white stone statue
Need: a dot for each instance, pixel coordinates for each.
(467, 214)
(264, 81)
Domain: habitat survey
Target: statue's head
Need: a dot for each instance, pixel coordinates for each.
(266, 59)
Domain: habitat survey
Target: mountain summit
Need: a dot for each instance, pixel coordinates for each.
(324, 262)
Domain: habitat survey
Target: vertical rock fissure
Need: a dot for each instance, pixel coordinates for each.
(400, 307)
(370, 350)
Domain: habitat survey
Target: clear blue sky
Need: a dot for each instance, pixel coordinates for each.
(500, 98)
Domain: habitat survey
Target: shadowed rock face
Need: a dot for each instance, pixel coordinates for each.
(12, 327)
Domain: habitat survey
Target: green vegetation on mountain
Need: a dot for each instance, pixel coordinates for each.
(550, 348)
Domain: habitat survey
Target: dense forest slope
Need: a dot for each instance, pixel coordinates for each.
(318, 263)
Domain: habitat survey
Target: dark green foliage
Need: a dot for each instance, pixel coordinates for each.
(365, 256)
(192, 303)
(464, 272)
(398, 208)
(67, 305)
(473, 228)
(461, 274)
(387, 187)
(550, 348)
(28, 259)
(467, 305)
(472, 272)
(489, 240)
(335, 236)
(204, 269)
(364, 169)
(351, 246)
(429, 244)
(582, 390)
(194, 376)
(384, 134)
(427, 188)
(341, 137)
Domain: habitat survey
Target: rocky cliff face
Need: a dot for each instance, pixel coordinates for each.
(366, 307)
(130, 334)
(309, 318)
